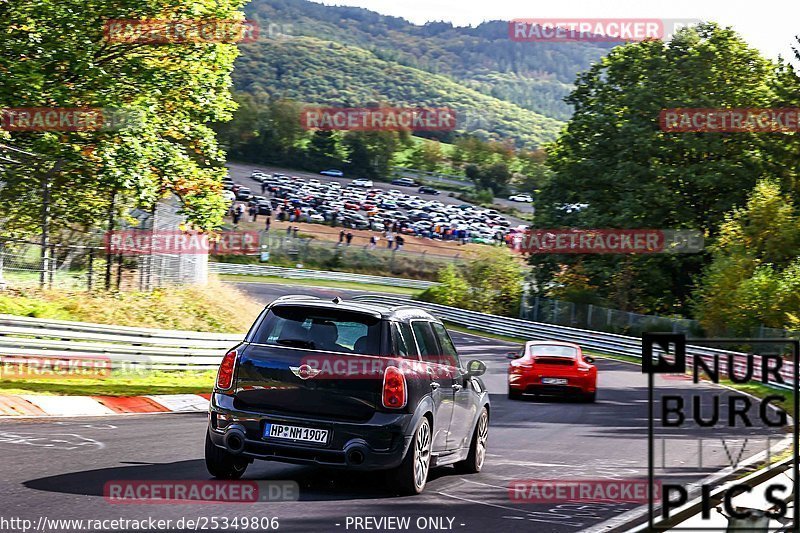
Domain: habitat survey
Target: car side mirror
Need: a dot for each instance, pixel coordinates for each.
(589, 359)
(512, 355)
(476, 368)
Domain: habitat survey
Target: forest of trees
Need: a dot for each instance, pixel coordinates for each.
(483, 59)
(317, 72)
(270, 132)
(178, 90)
(737, 188)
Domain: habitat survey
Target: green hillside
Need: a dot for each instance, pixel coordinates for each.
(335, 55)
(319, 72)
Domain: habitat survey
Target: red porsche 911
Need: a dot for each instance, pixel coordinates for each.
(552, 368)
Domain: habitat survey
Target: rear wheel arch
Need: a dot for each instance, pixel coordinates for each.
(429, 415)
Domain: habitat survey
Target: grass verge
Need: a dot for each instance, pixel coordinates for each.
(462, 329)
(352, 285)
(183, 382)
(215, 307)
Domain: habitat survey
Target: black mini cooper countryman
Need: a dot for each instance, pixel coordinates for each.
(348, 384)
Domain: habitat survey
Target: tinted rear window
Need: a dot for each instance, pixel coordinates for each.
(320, 329)
(553, 349)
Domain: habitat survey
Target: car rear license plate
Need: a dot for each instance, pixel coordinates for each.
(295, 433)
(554, 381)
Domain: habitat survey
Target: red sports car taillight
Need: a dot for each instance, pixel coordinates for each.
(225, 372)
(520, 369)
(394, 388)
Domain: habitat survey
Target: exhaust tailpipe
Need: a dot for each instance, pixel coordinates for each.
(356, 455)
(234, 439)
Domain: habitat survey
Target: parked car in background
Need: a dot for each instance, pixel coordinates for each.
(243, 193)
(333, 173)
(269, 403)
(229, 196)
(355, 221)
(522, 197)
(325, 202)
(405, 182)
(360, 182)
(552, 368)
(427, 190)
(262, 204)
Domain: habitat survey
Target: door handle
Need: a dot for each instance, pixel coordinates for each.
(434, 385)
(457, 387)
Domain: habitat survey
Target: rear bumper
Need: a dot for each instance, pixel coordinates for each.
(533, 385)
(377, 444)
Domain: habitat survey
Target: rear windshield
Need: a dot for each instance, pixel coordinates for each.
(320, 329)
(553, 349)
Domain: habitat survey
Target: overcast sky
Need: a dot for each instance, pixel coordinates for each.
(769, 25)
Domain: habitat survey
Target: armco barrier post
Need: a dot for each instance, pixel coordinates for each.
(90, 269)
(2, 264)
(52, 266)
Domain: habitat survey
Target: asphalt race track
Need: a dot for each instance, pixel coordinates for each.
(57, 468)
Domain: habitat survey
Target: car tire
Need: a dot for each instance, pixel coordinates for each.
(222, 464)
(412, 474)
(477, 449)
(590, 397)
(514, 394)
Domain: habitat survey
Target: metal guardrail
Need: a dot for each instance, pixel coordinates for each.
(128, 347)
(597, 341)
(302, 273)
(169, 349)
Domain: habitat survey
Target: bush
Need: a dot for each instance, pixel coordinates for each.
(215, 307)
(491, 283)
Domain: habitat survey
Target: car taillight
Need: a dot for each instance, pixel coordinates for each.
(394, 388)
(226, 368)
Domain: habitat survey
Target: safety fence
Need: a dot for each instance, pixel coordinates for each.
(598, 318)
(301, 273)
(125, 347)
(177, 350)
(28, 264)
(607, 343)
